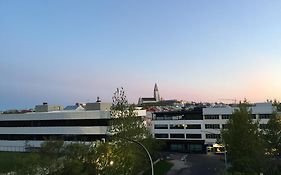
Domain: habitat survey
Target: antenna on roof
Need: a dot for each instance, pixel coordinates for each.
(98, 100)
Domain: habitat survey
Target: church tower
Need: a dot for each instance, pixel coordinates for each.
(156, 93)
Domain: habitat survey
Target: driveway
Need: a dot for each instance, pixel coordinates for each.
(197, 164)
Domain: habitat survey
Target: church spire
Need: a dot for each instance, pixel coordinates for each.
(156, 93)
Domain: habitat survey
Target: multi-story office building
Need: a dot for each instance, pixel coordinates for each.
(193, 130)
(180, 129)
(18, 131)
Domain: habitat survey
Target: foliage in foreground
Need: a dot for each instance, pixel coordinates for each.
(250, 150)
(128, 130)
(9, 161)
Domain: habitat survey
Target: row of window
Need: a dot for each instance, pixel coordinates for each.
(66, 137)
(188, 136)
(177, 126)
(208, 117)
(227, 116)
(178, 117)
(179, 136)
(191, 126)
(207, 126)
(212, 126)
(50, 123)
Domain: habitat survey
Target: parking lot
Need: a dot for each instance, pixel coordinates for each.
(196, 164)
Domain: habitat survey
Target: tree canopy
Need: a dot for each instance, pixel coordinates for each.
(243, 142)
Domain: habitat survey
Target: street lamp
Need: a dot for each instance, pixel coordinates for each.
(147, 152)
(225, 158)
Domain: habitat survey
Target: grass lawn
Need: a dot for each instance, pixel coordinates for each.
(160, 168)
(10, 160)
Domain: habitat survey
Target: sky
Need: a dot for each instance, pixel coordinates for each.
(66, 51)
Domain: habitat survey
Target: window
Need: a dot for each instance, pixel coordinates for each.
(167, 117)
(211, 116)
(160, 126)
(224, 126)
(195, 136)
(177, 136)
(69, 137)
(254, 116)
(227, 116)
(265, 116)
(212, 126)
(193, 126)
(161, 135)
(212, 136)
(179, 126)
(50, 123)
(263, 126)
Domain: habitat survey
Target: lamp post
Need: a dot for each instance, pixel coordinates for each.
(140, 144)
(225, 158)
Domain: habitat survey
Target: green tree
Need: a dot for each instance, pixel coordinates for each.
(244, 142)
(125, 121)
(128, 157)
(275, 103)
(272, 137)
(60, 158)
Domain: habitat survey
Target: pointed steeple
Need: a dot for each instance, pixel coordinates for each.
(156, 93)
(155, 87)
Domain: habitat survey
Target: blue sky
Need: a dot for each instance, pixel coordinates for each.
(72, 51)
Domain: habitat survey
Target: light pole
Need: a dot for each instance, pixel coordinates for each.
(147, 152)
(225, 158)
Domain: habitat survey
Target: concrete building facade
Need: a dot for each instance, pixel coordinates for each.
(20, 131)
(192, 131)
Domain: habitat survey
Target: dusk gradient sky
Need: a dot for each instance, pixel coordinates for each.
(69, 51)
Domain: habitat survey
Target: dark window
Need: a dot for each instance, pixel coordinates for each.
(194, 114)
(212, 126)
(66, 137)
(211, 116)
(197, 136)
(263, 126)
(161, 135)
(212, 136)
(160, 126)
(176, 135)
(224, 126)
(168, 117)
(45, 123)
(254, 116)
(225, 116)
(193, 126)
(177, 126)
(265, 116)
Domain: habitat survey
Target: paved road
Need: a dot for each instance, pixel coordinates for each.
(197, 164)
(203, 165)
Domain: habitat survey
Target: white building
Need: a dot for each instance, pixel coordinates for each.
(18, 131)
(192, 131)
